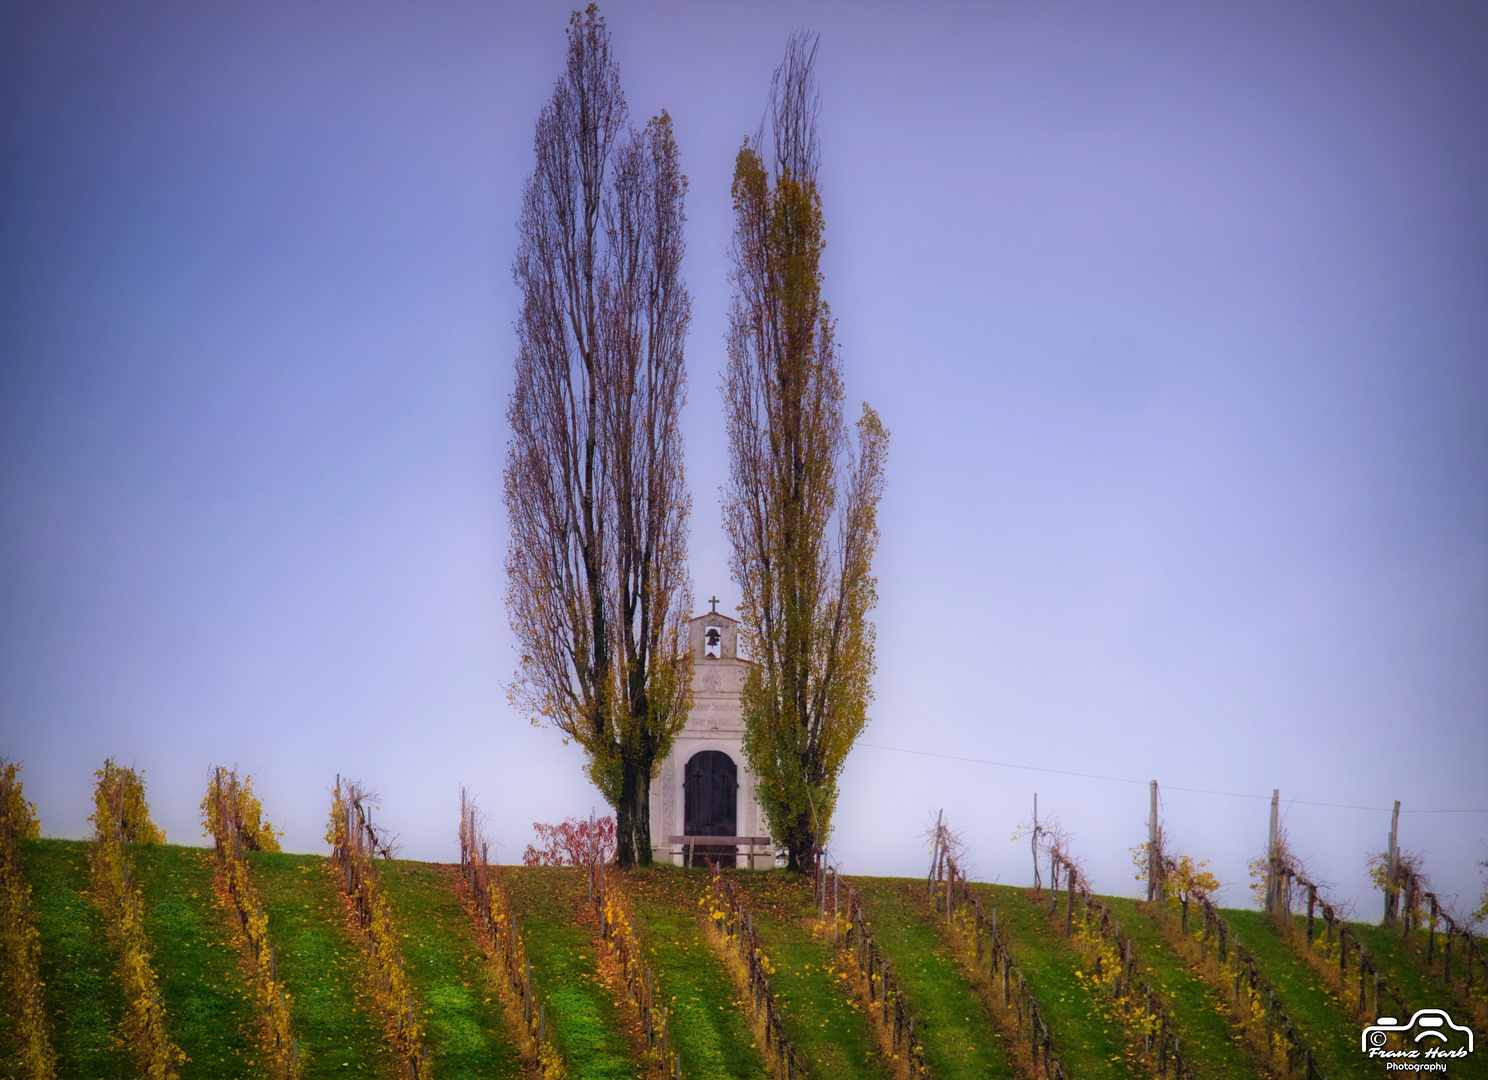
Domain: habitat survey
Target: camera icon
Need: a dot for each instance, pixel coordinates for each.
(1429, 1024)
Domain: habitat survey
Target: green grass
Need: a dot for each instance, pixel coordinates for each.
(464, 1026)
(1328, 1026)
(331, 1010)
(1403, 965)
(954, 1023)
(1086, 1037)
(84, 996)
(1210, 1042)
(821, 1014)
(709, 1030)
(209, 1008)
(582, 1013)
(211, 1015)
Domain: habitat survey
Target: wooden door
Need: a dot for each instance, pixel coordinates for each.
(711, 788)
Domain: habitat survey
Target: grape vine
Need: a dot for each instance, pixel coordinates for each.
(20, 941)
(233, 816)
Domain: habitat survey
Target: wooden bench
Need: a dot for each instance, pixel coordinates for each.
(688, 843)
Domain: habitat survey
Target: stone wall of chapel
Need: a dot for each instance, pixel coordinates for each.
(716, 722)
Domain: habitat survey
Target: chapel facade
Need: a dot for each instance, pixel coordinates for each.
(705, 787)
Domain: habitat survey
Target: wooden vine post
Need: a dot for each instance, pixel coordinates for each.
(617, 930)
(355, 841)
(229, 814)
(1273, 852)
(732, 919)
(496, 920)
(1154, 851)
(1392, 864)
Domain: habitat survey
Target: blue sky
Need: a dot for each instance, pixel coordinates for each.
(1178, 316)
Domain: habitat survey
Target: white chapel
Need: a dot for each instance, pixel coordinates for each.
(705, 788)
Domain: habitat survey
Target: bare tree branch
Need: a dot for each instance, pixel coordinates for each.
(594, 487)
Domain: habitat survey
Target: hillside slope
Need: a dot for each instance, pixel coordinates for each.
(334, 1013)
(958, 1032)
(208, 1003)
(84, 995)
(331, 1011)
(463, 1022)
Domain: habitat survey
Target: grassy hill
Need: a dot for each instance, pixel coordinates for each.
(330, 992)
(209, 1001)
(208, 1004)
(84, 998)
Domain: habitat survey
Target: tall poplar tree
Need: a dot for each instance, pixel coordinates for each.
(801, 504)
(597, 564)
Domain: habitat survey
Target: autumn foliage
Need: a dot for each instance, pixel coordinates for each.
(18, 819)
(595, 493)
(355, 841)
(801, 504)
(572, 843)
(120, 808)
(20, 942)
(121, 816)
(495, 916)
(232, 816)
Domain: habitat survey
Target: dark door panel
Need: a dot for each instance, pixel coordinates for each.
(711, 803)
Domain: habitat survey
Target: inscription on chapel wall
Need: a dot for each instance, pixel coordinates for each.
(715, 711)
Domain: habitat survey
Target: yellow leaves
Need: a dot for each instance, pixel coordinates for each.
(120, 808)
(273, 1001)
(20, 946)
(230, 808)
(19, 815)
(120, 812)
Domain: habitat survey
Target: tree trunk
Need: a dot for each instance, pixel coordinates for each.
(803, 846)
(625, 853)
(641, 815)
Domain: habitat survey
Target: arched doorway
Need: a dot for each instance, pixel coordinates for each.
(710, 806)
